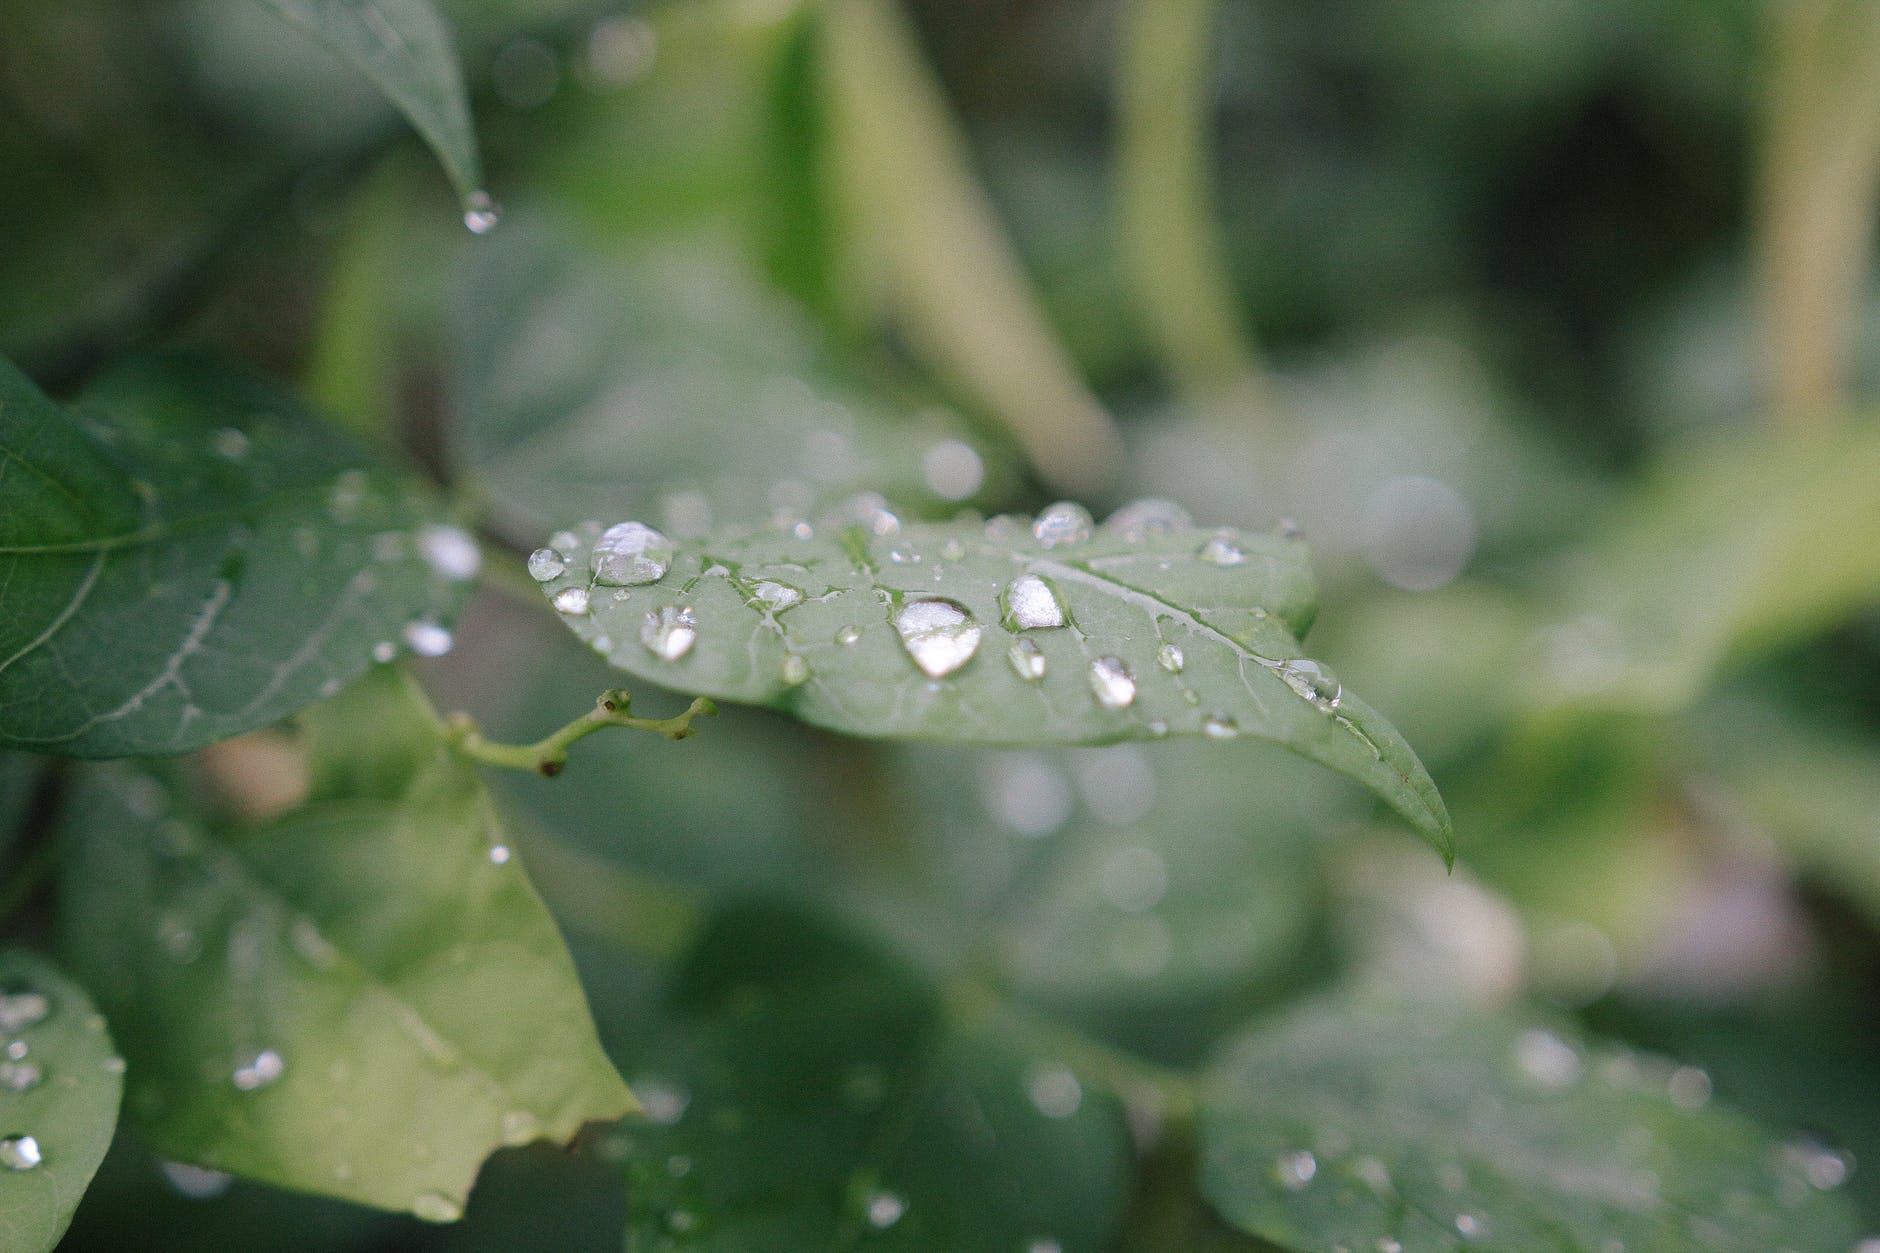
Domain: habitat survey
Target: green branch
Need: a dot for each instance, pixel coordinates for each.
(550, 753)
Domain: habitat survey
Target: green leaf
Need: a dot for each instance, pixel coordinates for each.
(61, 1082)
(361, 998)
(809, 1094)
(1753, 545)
(204, 559)
(1435, 1128)
(867, 627)
(674, 384)
(404, 48)
(19, 780)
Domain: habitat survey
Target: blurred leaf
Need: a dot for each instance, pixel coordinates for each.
(1433, 1128)
(809, 1093)
(204, 559)
(19, 782)
(1754, 544)
(362, 998)
(670, 383)
(991, 635)
(404, 48)
(63, 1082)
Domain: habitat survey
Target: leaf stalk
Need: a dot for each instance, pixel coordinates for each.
(549, 754)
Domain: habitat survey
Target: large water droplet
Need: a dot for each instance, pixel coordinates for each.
(572, 601)
(1222, 550)
(630, 553)
(1171, 658)
(1031, 604)
(450, 551)
(427, 639)
(20, 1153)
(545, 564)
(938, 634)
(481, 213)
(1142, 519)
(257, 1070)
(1296, 1169)
(435, 1207)
(885, 1210)
(1062, 524)
(1313, 682)
(22, 1009)
(669, 633)
(1112, 683)
(777, 596)
(1027, 660)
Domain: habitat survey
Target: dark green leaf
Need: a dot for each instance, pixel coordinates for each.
(1140, 630)
(809, 1095)
(361, 998)
(1433, 1128)
(404, 47)
(60, 1084)
(204, 559)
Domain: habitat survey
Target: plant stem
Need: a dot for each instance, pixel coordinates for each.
(549, 754)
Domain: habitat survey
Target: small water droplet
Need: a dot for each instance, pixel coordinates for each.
(1054, 1091)
(868, 511)
(1159, 728)
(229, 443)
(669, 633)
(572, 601)
(450, 551)
(1219, 726)
(1171, 658)
(1143, 519)
(630, 553)
(1823, 1168)
(1045, 1246)
(1112, 683)
(1312, 682)
(795, 670)
(678, 1165)
(849, 636)
(1223, 550)
(1547, 1059)
(499, 854)
(777, 596)
(21, 1076)
(435, 1207)
(664, 1101)
(1389, 1244)
(114, 1065)
(198, 1183)
(17, 1050)
(1295, 1169)
(20, 1153)
(1469, 1226)
(427, 639)
(938, 634)
(1688, 1087)
(257, 1070)
(885, 1210)
(952, 470)
(520, 1127)
(1062, 525)
(1027, 660)
(23, 1008)
(481, 213)
(384, 651)
(545, 564)
(1031, 604)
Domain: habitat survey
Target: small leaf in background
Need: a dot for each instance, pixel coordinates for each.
(361, 998)
(404, 47)
(810, 1094)
(674, 384)
(60, 1083)
(1018, 631)
(203, 559)
(1431, 1128)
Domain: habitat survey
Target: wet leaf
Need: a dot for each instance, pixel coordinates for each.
(1427, 1128)
(60, 1083)
(205, 558)
(1013, 633)
(362, 998)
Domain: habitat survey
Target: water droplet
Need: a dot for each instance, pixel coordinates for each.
(1142, 519)
(1821, 1166)
(1027, 660)
(499, 854)
(1547, 1059)
(1219, 726)
(630, 553)
(22, 1009)
(1031, 605)
(1045, 1246)
(427, 639)
(198, 1183)
(1135, 879)
(669, 633)
(1055, 1091)
(17, 1050)
(664, 1101)
(870, 512)
(20, 1153)
(1171, 658)
(778, 596)
(481, 213)
(257, 1070)
(1312, 682)
(520, 1127)
(435, 1207)
(938, 634)
(1223, 550)
(349, 490)
(1112, 683)
(1062, 524)
(885, 1210)
(20, 1076)
(1159, 728)
(384, 651)
(545, 564)
(229, 443)
(1688, 1087)
(450, 551)
(849, 636)
(114, 1065)
(1469, 1226)
(1296, 1169)
(1389, 1244)
(795, 670)
(952, 470)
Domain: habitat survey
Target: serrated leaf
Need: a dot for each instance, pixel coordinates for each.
(1432, 1128)
(672, 383)
(404, 48)
(60, 1085)
(809, 1094)
(878, 630)
(361, 998)
(205, 558)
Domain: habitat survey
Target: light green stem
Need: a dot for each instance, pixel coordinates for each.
(550, 753)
